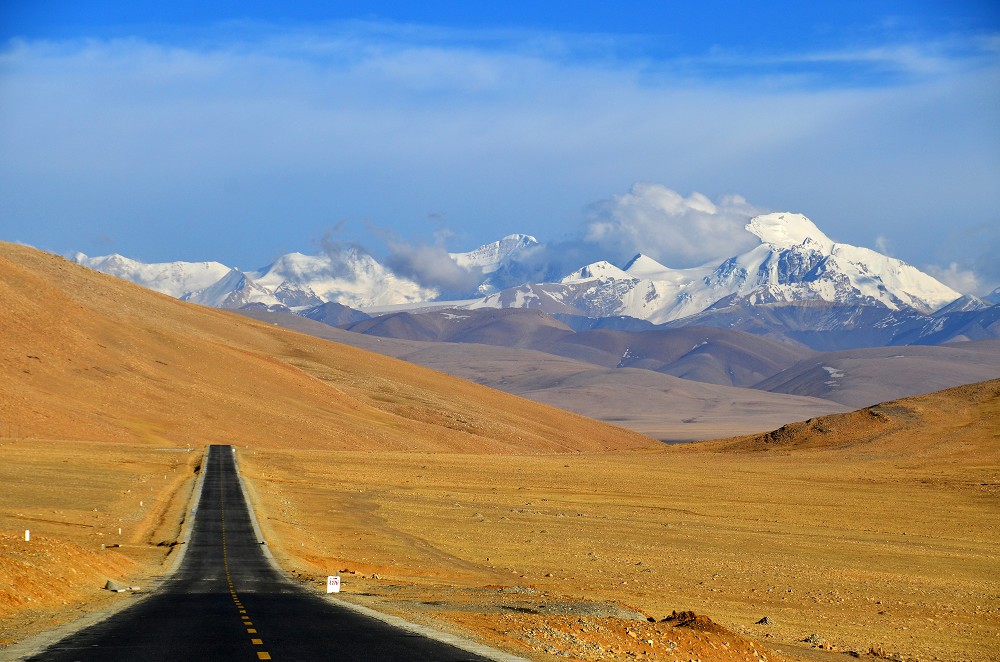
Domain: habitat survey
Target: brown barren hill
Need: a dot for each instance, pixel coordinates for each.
(960, 424)
(88, 356)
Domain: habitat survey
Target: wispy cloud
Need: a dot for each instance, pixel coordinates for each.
(961, 280)
(911, 59)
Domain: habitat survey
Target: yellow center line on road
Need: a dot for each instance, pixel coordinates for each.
(261, 655)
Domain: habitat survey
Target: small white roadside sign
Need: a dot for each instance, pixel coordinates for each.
(333, 584)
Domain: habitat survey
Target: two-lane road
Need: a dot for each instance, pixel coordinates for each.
(226, 602)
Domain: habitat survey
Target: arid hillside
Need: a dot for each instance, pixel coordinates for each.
(88, 356)
(960, 424)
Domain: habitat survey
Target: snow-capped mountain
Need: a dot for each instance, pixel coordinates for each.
(234, 290)
(794, 262)
(796, 280)
(351, 278)
(294, 280)
(488, 258)
(173, 278)
(964, 304)
(501, 263)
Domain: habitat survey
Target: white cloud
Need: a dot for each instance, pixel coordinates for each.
(338, 250)
(962, 280)
(676, 230)
(431, 266)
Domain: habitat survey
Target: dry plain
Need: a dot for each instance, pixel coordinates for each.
(885, 542)
(540, 531)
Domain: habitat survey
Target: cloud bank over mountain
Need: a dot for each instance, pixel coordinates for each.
(678, 231)
(432, 267)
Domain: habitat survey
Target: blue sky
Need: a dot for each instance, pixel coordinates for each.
(237, 131)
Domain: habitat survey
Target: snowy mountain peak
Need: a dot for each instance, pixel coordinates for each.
(113, 259)
(233, 290)
(296, 266)
(172, 278)
(519, 239)
(964, 304)
(643, 266)
(490, 257)
(785, 230)
(350, 277)
(602, 269)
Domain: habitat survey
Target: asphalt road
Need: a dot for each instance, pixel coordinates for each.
(226, 602)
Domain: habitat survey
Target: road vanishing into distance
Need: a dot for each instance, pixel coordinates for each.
(227, 602)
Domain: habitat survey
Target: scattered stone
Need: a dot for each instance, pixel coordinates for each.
(813, 639)
(689, 619)
(112, 585)
(765, 621)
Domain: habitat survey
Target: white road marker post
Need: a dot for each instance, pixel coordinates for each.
(27, 535)
(333, 584)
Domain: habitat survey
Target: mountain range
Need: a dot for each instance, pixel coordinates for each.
(796, 285)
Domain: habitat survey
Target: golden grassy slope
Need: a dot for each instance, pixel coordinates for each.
(88, 356)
